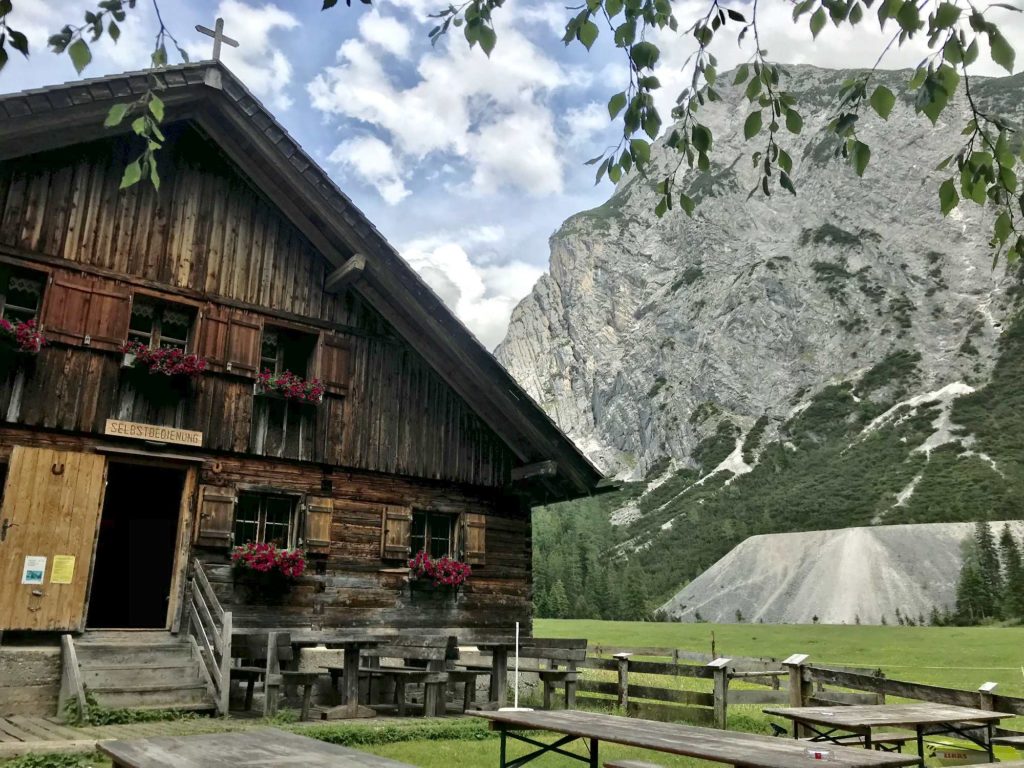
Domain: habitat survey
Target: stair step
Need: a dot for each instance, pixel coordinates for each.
(190, 696)
(99, 675)
(116, 654)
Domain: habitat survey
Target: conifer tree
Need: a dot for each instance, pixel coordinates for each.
(990, 571)
(1013, 575)
(558, 602)
(971, 592)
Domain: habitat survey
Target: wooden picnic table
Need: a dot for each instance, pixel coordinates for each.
(831, 723)
(249, 749)
(743, 750)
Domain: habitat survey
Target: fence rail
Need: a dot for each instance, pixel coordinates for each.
(791, 681)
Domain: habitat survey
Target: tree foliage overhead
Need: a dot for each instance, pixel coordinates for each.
(983, 170)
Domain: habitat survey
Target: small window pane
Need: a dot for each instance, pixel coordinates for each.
(269, 351)
(247, 518)
(22, 295)
(174, 327)
(140, 326)
(419, 532)
(278, 520)
(440, 535)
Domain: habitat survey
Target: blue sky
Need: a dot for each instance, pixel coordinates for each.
(466, 164)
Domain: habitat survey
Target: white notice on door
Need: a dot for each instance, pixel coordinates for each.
(34, 570)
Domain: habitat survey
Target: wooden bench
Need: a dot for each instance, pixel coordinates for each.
(1016, 742)
(886, 742)
(261, 655)
(424, 662)
(561, 658)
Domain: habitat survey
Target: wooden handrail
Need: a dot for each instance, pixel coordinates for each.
(71, 686)
(210, 625)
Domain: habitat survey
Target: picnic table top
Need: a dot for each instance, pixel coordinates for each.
(743, 750)
(862, 716)
(267, 748)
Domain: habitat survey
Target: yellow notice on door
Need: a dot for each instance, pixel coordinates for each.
(63, 570)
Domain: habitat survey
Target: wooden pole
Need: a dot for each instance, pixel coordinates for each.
(986, 697)
(224, 685)
(623, 659)
(798, 689)
(720, 675)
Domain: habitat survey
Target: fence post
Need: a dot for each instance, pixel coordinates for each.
(985, 697)
(881, 691)
(623, 659)
(720, 674)
(798, 689)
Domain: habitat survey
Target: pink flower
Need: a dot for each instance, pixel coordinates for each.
(23, 335)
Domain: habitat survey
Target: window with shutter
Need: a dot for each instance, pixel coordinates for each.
(21, 294)
(216, 516)
(396, 531)
(212, 344)
(334, 362)
(474, 534)
(229, 340)
(319, 517)
(80, 309)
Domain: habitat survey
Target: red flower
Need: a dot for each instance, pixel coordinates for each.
(265, 558)
(291, 386)
(25, 336)
(443, 572)
(168, 361)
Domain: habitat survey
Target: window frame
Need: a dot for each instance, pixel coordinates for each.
(264, 495)
(429, 536)
(16, 270)
(154, 339)
(278, 363)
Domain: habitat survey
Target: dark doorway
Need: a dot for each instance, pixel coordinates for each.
(131, 580)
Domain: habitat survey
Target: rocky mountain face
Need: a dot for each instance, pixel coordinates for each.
(650, 337)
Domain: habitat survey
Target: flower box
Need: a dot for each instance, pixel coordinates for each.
(266, 572)
(23, 337)
(444, 573)
(167, 361)
(289, 386)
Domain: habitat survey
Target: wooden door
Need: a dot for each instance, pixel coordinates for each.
(52, 503)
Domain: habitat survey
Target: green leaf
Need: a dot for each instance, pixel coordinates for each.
(882, 101)
(139, 125)
(114, 31)
(116, 115)
(1002, 52)
(661, 208)
(487, 39)
(644, 54)
(786, 182)
(785, 161)
(752, 125)
(156, 106)
(613, 7)
(818, 19)
(909, 17)
(641, 151)
(616, 104)
(615, 173)
(1003, 227)
(948, 197)
(946, 15)
(753, 88)
(154, 177)
(80, 55)
(687, 204)
(742, 73)
(18, 41)
(701, 138)
(860, 156)
(794, 123)
(132, 174)
(587, 34)
(3, 58)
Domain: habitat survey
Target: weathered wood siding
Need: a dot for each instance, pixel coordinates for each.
(210, 238)
(351, 585)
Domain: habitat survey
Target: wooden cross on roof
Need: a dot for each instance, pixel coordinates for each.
(217, 33)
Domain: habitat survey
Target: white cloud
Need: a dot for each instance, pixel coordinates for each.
(373, 161)
(489, 112)
(481, 296)
(386, 32)
(584, 124)
(258, 61)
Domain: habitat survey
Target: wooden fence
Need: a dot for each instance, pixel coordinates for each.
(209, 629)
(655, 683)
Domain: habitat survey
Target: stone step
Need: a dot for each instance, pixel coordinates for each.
(131, 636)
(98, 675)
(180, 696)
(116, 654)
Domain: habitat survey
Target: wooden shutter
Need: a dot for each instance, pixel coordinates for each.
(66, 308)
(334, 362)
(230, 340)
(80, 309)
(212, 344)
(396, 532)
(52, 504)
(474, 535)
(245, 336)
(216, 516)
(319, 517)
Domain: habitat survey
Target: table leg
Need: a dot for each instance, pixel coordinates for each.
(501, 758)
(499, 676)
(349, 707)
(867, 739)
(988, 743)
(594, 761)
(920, 745)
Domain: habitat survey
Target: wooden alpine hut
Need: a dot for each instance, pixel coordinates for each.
(237, 357)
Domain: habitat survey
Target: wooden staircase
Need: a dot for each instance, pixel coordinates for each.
(139, 670)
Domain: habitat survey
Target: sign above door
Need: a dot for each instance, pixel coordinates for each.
(154, 433)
